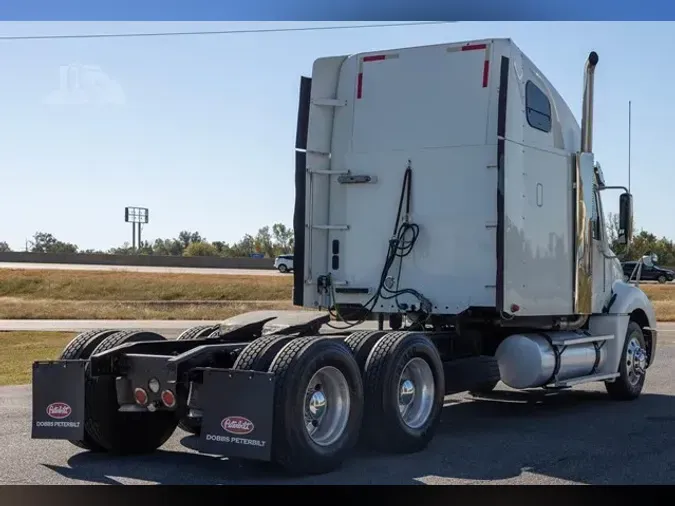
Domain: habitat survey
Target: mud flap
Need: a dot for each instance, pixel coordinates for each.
(237, 408)
(58, 399)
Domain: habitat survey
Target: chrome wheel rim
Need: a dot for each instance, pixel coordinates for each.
(636, 361)
(327, 404)
(416, 392)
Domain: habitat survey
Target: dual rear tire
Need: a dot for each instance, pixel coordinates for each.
(318, 399)
(106, 429)
(385, 389)
(404, 388)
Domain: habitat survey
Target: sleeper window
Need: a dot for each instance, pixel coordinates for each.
(537, 108)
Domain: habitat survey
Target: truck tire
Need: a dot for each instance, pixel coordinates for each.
(129, 432)
(361, 343)
(259, 354)
(199, 332)
(80, 348)
(318, 373)
(404, 387)
(631, 380)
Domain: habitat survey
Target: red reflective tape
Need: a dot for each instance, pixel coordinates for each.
(474, 47)
(359, 85)
(376, 57)
(486, 69)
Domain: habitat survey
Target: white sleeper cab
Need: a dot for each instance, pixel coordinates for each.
(449, 234)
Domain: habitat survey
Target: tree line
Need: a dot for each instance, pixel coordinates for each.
(643, 242)
(278, 239)
(268, 242)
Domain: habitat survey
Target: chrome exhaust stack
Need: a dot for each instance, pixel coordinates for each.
(583, 187)
(587, 107)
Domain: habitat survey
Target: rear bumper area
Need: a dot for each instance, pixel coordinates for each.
(237, 408)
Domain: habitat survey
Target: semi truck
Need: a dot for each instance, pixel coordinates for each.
(449, 235)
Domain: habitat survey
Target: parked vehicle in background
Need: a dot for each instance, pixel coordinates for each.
(649, 272)
(284, 263)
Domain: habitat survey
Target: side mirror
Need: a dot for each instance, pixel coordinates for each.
(625, 218)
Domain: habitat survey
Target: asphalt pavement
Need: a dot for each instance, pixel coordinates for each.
(575, 437)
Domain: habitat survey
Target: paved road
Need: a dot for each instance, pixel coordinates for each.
(576, 437)
(131, 268)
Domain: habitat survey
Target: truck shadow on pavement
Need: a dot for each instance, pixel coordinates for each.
(575, 436)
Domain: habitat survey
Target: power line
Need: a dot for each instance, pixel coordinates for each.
(215, 32)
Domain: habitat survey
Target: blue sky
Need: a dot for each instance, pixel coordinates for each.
(204, 127)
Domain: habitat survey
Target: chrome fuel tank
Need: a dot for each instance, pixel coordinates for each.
(533, 360)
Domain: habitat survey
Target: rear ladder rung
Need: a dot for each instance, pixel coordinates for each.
(322, 172)
(329, 102)
(331, 227)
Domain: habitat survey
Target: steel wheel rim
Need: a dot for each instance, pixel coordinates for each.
(416, 392)
(327, 406)
(636, 361)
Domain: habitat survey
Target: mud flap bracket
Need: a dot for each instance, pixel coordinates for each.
(238, 408)
(58, 399)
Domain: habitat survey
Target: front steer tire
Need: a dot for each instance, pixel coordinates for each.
(294, 367)
(384, 426)
(123, 433)
(622, 388)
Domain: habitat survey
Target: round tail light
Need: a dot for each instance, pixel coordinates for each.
(168, 398)
(141, 396)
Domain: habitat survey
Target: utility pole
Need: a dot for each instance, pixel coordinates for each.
(629, 143)
(629, 139)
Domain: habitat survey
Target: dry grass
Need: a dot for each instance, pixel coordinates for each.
(22, 309)
(131, 286)
(18, 351)
(58, 294)
(663, 298)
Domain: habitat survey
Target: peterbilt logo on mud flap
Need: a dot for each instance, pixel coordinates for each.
(59, 410)
(237, 425)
